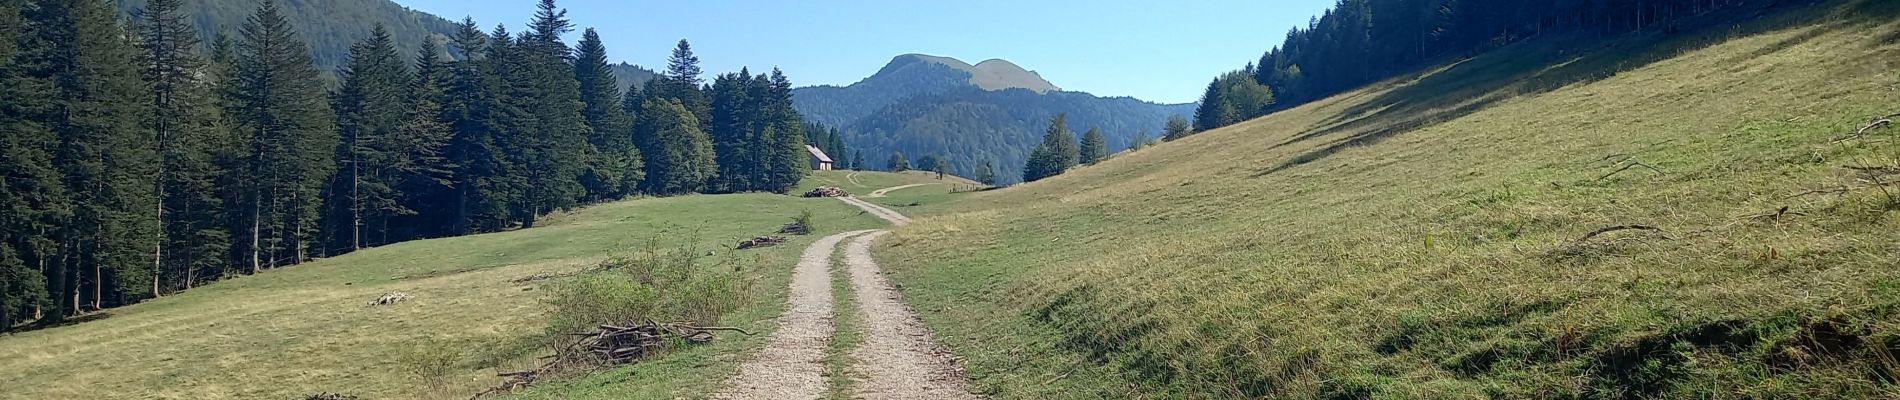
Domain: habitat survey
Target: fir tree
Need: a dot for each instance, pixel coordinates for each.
(278, 105)
(479, 176)
(781, 137)
(612, 156)
(1176, 128)
(857, 160)
(1094, 147)
(426, 177)
(32, 202)
(734, 129)
(104, 155)
(366, 193)
(190, 135)
(1061, 142)
(554, 133)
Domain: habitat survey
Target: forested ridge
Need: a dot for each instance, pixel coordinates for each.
(140, 160)
(924, 106)
(1358, 42)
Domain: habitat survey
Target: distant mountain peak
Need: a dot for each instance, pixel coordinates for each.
(993, 74)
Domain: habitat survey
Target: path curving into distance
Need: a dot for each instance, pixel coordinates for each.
(887, 191)
(898, 359)
(792, 364)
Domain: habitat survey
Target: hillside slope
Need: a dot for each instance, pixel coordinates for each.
(1431, 236)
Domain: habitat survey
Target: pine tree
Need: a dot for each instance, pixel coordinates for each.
(734, 128)
(1042, 163)
(1094, 147)
(1176, 128)
(555, 134)
(681, 82)
(782, 136)
(32, 200)
(365, 193)
(104, 155)
(612, 155)
(679, 156)
(190, 134)
(278, 105)
(898, 163)
(427, 176)
(1062, 143)
(467, 107)
(857, 160)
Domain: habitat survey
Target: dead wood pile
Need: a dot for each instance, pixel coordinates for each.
(827, 191)
(762, 241)
(608, 345)
(795, 228)
(390, 298)
(328, 396)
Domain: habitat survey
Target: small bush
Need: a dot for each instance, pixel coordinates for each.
(652, 283)
(431, 361)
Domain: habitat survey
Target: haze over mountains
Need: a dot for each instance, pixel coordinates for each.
(994, 111)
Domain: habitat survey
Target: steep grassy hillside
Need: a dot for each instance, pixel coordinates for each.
(306, 329)
(1430, 237)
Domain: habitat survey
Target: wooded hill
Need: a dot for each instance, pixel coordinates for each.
(991, 113)
(141, 162)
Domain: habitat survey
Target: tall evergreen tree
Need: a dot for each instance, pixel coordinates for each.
(365, 193)
(479, 177)
(613, 160)
(555, 132)
(1057, 153)
(681, 82)
(32, 201)
(735, 128)
(188, 131)
(781, 136)
(1094, 147)
(426, 176)
(857, 160)
(103, 153)
(278, 105)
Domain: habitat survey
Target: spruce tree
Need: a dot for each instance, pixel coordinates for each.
(370, 107)
(681, 82)
(555, 132)
(735, 131)
(1061, 142)
(479, 175)
(190, 135)
(32, 201)
(426, 177)
(612, 155)
(679, 156)
(782, 138)
(1094, 147)
(278, 105)
(1042, 163)
(1176, 128)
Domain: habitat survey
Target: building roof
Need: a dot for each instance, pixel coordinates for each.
(820, 154)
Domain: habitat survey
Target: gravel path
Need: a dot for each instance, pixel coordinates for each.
(892, 216)
(898, 359)
(792, 365)
(887, 191)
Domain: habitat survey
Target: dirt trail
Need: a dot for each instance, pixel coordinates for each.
(853, 177)
(792, 364)
(891, 216)
(898, 358)
(887, 191)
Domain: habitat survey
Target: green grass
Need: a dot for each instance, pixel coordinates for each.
(307, 329)
(1413, 239)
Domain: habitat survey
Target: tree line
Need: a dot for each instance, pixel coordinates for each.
(139, 161)
(1362, 41)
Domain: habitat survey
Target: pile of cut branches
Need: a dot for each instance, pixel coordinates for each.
(828, 191)
(608, 345)
(762, 241)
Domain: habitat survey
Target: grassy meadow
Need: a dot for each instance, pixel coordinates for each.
(1425, 237)
(308, 329)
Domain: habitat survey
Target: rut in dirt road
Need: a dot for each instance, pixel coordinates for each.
(791, 366)
(884, 213)
(898, 358)
(885, 192)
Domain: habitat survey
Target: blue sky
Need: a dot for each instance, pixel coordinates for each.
(1162, 51)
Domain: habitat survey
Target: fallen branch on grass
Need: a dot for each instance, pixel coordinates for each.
(608, 345)
(1593, 234)
(762, 241)
(1631, 163)
(1876, 123)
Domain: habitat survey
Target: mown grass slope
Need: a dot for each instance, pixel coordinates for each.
(307, 329)
(1423, 237)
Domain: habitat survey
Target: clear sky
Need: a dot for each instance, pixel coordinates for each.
(1162, 51)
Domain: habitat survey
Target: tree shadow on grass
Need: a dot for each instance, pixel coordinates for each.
(69, 321)
(1547, 64)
